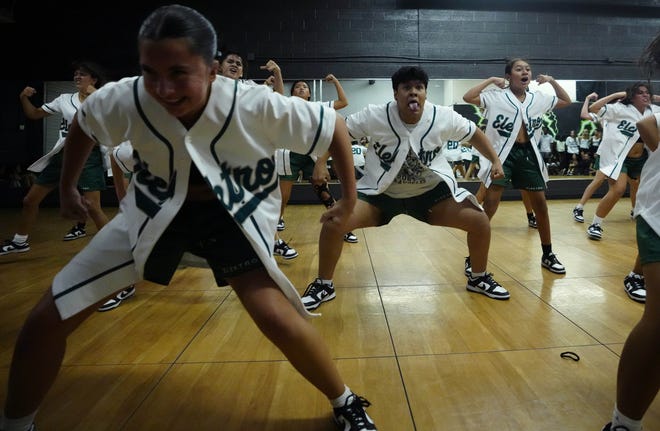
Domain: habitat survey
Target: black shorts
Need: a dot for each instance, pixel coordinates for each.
(207, 230)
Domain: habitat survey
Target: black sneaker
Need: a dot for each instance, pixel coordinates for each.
(14, 247)
(352, 417)
(317, 293)
(578, 215)
(608, 427)
(280, 225)
(487, 286)
(551, 263)
(113, 303)
(75, 233)
(283, 249)
(531, 222)
(468, 267)
(595, 232)
(635, 287)
(350, 237)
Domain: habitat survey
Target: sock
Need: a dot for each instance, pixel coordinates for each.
(20, 239)
(547, 249)
(18, 424)
(326, 282)
(81, 225)
(597, 220)
(635, 274)
(340, 401)
(619, 419)
(579, 206)
(476, 275)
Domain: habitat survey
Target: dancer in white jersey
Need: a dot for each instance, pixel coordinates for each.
(515, 120)
(87, 77)
(622, 153)
(638, 376)
(315, 169)
(204, 181)
(405, 172)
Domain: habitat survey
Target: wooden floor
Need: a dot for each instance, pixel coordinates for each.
(403, 330)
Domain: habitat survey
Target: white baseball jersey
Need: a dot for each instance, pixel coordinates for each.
(647, 204)
(232, 146)
(66, 104)
(619, 135)
(506, 115)
(391, 143)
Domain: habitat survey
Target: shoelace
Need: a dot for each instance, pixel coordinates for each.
(357, 415)
(313, 288)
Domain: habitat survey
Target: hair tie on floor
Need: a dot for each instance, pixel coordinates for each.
(570, 355)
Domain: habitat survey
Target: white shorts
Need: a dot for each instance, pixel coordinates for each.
(102, 268)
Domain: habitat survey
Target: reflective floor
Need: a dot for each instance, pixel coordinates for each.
(403, 330)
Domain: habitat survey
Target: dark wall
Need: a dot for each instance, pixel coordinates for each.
(577, 39)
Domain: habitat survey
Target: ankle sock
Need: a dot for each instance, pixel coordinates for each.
(326, 282)
(340, 401)
(619, 419)
(579, 206)
(17, 424)
(597, 220)
(20, 239)
(476, 275)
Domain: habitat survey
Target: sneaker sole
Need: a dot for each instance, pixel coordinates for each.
(318, 304)
(636, 299)
(109, 307)
(350, 241)
(287, 257)
(594, 237)
(22, 250)
(73, 238)
(551, 269)
(490, 295)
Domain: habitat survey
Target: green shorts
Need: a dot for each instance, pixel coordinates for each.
(92, 177)
(521, 170)
(632, 166)
(207, 230)
(596, 162)
(648, 243)
(418, 207)
(299, 163)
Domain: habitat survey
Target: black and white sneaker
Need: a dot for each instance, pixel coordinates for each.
(595, 232)
(468, 267)
(350, 237)
(75, 233)
(280, 225)
(113, 303)
(531, 222)
(317, 293)
(551, 263)
(487, 286)
(635, 287)
(609, 427)
(352, 417)
(14, 247)
(578, 215)
(283, 249)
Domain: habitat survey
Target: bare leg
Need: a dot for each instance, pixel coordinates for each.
(638, 378)
(524, 194)
(331, 238)
(38, 355)
(492, 200)
(95, 211)
(465, 216)
(540, 207)
(295, 336)
(616, 190)
(592, 187)
(31, 203)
